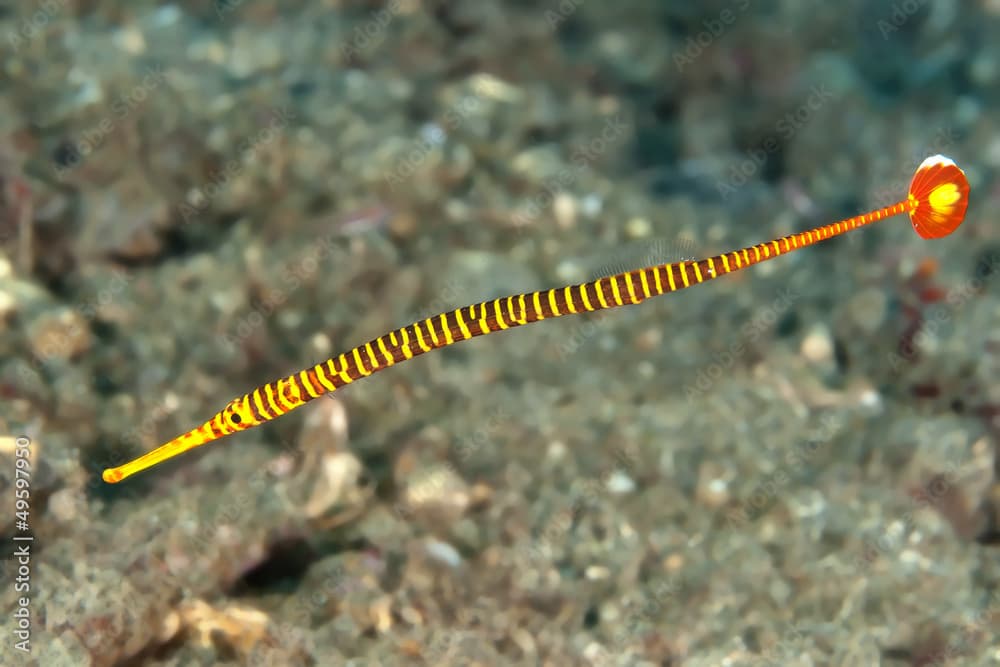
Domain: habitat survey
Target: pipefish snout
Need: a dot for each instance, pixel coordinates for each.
(936, 203)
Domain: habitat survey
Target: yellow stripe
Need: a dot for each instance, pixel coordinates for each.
(461, 324)
(536, 303)
(684, 274)
(585, 299)
(670, 277)
(306, 384)
(357, 360)
(524, 309)
(645, 284)
(385, 351)
(501, 322)
(616, 294)
(725, 263)
(568, 293)
(304, 378)
(484, 322)
(272, 401)
(392, 337)
(429, 323)
(280, 392)
(756, 252)
(777, 248)
(342, 373)
(711, 268)
(405, 346)
(371, 356)
(788, 248)
(297, 393)
(630, 288)
(246, 407)
(600, 294)
(552, 303)
(258, 400)
(420, 338)
(509, 305)
(746, 257)
(448, 339)
(697, 272)
(656, 279)
(739, 262)
(323, 378)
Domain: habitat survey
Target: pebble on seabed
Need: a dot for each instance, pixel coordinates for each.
(817, 346)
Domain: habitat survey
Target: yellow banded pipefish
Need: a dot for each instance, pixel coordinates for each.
(936, 203)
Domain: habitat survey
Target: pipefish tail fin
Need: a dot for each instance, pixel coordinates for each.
(939, 196)
(936, 203)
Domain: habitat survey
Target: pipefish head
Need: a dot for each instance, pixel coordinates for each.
(238, 415)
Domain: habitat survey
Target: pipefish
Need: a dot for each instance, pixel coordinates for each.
(936, 203)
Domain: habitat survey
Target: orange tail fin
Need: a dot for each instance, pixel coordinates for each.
(939, 195)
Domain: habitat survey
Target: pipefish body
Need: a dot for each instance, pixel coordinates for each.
(936, 203)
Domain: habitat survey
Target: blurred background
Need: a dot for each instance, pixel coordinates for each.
(795, 465)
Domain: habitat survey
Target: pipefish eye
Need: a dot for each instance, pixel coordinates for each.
(235, 415)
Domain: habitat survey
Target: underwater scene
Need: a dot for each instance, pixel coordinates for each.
(223, 224)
